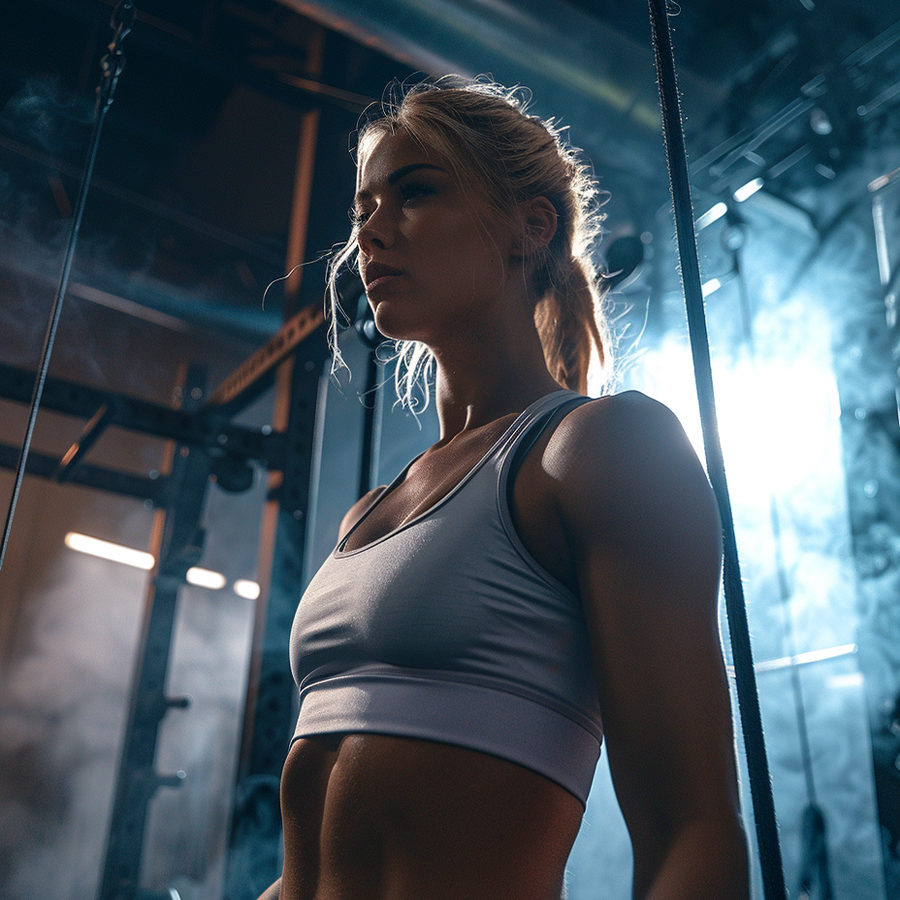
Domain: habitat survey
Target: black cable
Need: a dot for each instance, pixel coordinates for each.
(111, 67)
(745, 676)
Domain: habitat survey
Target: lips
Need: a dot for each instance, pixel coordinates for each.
(375, 271)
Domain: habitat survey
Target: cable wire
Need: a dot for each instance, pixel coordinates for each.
(745, 676)
(111, 67)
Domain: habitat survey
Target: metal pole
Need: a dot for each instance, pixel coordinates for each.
(177, 544)
(111, 65)
(745, 676)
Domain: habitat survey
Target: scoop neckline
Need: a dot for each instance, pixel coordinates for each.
(507, 434)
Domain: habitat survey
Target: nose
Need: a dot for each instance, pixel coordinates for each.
(375, 232)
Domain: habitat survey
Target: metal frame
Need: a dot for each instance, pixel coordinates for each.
(203, 443)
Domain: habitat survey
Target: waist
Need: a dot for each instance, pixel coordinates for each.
(475, 712)
(371, 816)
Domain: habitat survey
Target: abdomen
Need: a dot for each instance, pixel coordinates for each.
(378, 816)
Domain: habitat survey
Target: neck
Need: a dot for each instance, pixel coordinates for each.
(488, 379)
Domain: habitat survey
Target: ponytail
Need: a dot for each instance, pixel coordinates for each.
(570, 322)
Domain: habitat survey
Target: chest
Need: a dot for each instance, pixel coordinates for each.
(450, 590)
(427, 481)
(431, 478)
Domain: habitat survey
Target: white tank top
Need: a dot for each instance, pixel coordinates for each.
(447, 629)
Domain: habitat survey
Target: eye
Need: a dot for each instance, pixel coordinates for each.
(413, 190)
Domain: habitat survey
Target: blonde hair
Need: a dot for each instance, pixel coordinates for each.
(495, 151)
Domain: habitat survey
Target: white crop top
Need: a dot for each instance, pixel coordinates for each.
(448, 630)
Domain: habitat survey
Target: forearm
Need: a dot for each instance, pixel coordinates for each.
(706, 861)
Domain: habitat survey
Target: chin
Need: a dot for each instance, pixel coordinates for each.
(393, 326)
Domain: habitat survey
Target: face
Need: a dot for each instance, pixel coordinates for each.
(434, 265)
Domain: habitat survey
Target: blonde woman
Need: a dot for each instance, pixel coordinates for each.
(540, 581)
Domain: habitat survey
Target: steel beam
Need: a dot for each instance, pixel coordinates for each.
(177, 545)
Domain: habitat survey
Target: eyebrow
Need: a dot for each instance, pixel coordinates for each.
(397, 174)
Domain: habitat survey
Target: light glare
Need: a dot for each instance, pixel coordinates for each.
(249, 590)
(810, 656)
(205, 578)
(747, 190)
(711, 215)
(82, 543)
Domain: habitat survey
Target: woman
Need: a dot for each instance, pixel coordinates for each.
(543, 577)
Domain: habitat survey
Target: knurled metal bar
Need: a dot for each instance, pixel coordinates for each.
(745, 676)
(111, 67)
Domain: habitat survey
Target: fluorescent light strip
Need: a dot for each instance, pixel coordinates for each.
(711, 215)
(205, 578)
(845, 682)
(811, 656)
(744, 192)
(138, 559)
(249, 590)
(710, 287)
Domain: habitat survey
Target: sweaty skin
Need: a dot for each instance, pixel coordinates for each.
(611, 501)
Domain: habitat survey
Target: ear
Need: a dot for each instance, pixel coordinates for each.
(539, 224)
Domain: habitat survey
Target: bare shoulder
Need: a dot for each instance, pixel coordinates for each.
(622, 436)
(627, 477)
(628, 420)
(645, 539)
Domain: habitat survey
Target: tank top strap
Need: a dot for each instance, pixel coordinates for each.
(532, 424)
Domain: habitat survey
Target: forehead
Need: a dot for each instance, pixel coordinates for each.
(384, 153)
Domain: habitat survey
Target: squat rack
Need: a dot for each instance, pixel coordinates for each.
(203, 443)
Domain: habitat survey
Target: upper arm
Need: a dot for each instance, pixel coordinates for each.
(644, 530)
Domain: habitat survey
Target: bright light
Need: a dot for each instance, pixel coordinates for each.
(247, 589)
(810, 656)
(779, 424)
(849, 681)
(205, 578)
(711, 215)
(748, 190)
(710, 287)
(139, 559)
(779, 415)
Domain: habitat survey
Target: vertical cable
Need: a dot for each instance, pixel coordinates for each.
(745, 676)
(111, 65)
